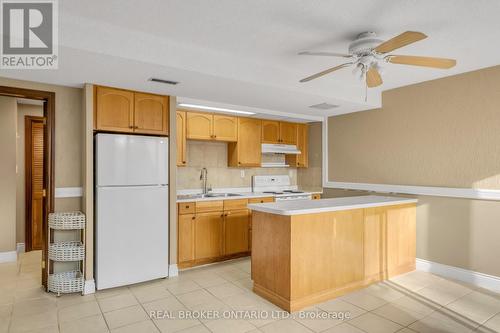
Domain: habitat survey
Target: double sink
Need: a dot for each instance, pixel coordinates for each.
(208, 195)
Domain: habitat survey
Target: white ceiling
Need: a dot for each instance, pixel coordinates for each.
(244, 53)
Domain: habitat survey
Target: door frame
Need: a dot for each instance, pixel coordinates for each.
(49, 107)
(28, 167)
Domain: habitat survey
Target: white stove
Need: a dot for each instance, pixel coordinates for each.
(280, 187)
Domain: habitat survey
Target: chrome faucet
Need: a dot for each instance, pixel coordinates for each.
(204, 178)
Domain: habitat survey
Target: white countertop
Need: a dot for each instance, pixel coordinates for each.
(297, 207)
(242, 195)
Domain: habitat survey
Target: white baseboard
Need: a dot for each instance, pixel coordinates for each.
(173, 270)
(9, 256)
(20, 247)
(89, 287)
(475, 278)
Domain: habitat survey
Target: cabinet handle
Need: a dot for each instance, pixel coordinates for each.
(193, 218)
(187, 207)
(183, 162)
(215, 136)
(222, 215)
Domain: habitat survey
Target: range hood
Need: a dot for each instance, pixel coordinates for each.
(269, 148)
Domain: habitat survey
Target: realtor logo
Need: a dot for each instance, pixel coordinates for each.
(29, 34)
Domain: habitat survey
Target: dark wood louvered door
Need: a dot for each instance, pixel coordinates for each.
(35, 193)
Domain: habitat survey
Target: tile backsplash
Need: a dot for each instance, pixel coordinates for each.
(213, 156)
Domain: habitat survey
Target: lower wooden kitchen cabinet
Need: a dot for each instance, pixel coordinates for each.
(236, 231)
(208, 235)
(210, 231)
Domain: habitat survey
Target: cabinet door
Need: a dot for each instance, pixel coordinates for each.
(301, 160)
(186, 237)
(249, 151)
(199, 126)
(151, 114)
(288, 133)
(270, 131)
(236, 231)
(225, 128)
(114, 110)
(302, 145)
(181, 138)
(208, 235)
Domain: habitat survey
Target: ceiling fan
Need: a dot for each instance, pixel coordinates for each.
(367, 53)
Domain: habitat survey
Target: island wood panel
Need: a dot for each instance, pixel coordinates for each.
(374, 240)
(401, 240)
(271, 265)
(305, 259)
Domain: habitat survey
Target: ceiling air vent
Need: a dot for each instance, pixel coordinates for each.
(324, 106)
(153, 79)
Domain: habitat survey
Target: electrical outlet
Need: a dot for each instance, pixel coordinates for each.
(242, 173)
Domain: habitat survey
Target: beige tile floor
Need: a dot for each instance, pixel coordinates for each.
(414, 302)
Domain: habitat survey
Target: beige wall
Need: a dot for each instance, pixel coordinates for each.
(438, 133)
(213, 156)
(311, 177)
(8, 120)
(22, 111)
(444, 132)
(68, 139)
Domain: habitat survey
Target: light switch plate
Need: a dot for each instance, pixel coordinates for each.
(242, 173)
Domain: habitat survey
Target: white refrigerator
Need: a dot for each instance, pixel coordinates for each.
(131, 202)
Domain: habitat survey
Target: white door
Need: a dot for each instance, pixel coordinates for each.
(131, 160)
(131, 235)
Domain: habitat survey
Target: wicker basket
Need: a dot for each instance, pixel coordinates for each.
(66, 251)
(66, 282)
(67, 221)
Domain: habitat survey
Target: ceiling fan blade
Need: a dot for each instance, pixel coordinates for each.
(422, 61)
(373, 78)
(404, 39)
(329, 70)
(325, 54)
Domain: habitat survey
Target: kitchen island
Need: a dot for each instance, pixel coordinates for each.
(308, 251)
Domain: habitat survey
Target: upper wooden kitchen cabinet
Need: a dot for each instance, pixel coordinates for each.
(118, 110)
(301, 160)
(270, 131)
(247, 151)
(114, 110)
(288, 133)
(206, 126)
(181, 138)
(151, 114)
(225, 128)
(279, 132)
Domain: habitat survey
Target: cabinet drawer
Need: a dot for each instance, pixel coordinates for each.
(260, 200)
(209, 206)
(186, 207)
(235, 204)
